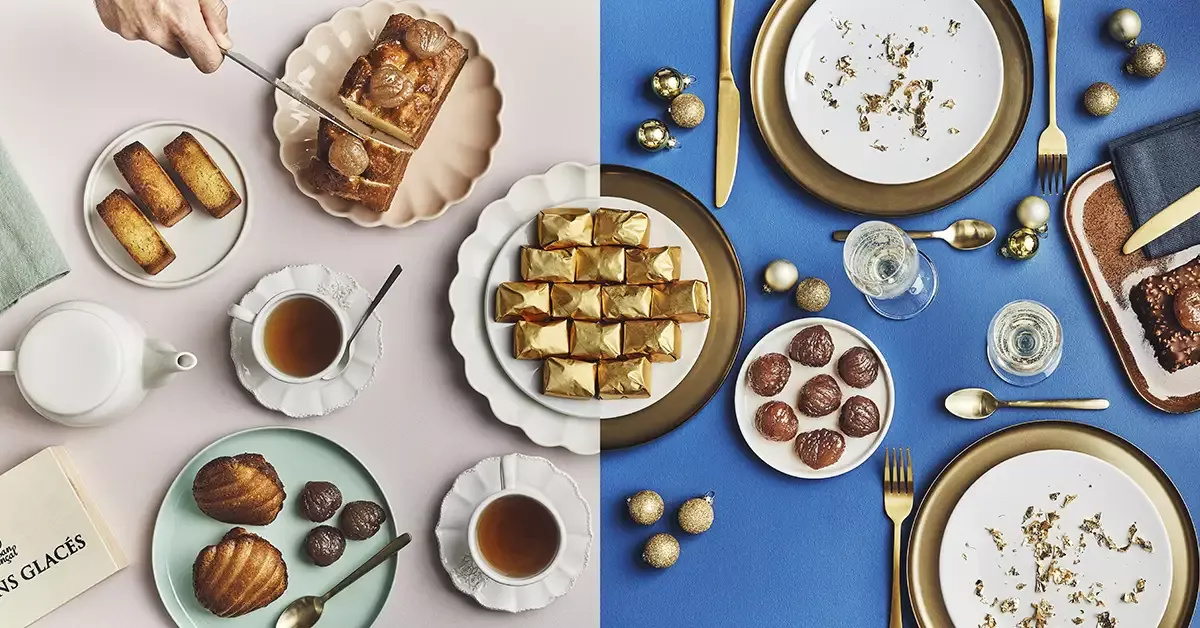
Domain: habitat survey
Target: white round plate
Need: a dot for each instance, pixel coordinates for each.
(202, 244)
(562, 184)
(456, 153)
(468, 492)
(782, 456)
(321, 397)
(527, 374)
(999, 499)
(967, 67)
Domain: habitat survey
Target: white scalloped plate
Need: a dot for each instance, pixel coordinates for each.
(317, 398)
(560, 185)
(454, 156)
(468, 492)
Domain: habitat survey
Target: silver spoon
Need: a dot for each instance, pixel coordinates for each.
(967, 234)
(304, 612)
(343, 360)
(977, 403)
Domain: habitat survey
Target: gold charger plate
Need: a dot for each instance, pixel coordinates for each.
(726, 293)
(841, 190)
(929, 525)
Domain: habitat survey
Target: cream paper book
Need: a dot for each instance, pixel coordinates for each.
(54, 544)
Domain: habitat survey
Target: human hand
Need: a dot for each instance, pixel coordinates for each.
(194, 29)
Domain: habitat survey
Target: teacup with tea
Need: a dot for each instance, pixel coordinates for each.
(516, 535)
(297, 336)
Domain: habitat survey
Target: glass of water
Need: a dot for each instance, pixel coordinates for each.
(1024, 343)
(884, 264)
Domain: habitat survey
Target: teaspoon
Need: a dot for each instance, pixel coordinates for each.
(977, 403)
(304, 612)
(343, 360)
(967, 234)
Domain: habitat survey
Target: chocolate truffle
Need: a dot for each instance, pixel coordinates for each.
(858, 367)
(820, 448)
(769, 374)
(860, 417)
(1187, 308)
(776, 421)
(325, 545)
(320, 501)
(813, 346)
(820, 396)
(361, 520)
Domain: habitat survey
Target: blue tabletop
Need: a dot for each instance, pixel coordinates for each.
(786, 552)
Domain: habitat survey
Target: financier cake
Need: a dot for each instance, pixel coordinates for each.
(242, 490)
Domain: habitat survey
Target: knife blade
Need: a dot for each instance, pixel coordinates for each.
(296, 94)
(729, 110)
(1159, 224)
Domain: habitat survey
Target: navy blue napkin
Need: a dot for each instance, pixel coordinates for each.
(1156, 167)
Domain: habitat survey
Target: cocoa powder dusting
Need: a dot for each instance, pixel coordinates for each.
(1106, 224)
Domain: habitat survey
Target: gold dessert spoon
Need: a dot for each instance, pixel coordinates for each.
(967, 234)
(304, 612)
(977, 403)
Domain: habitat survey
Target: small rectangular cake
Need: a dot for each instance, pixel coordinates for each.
(201, 175)
(152, 184)
(367, 173)
(133, 230)
(400, 85)
(1154, 301)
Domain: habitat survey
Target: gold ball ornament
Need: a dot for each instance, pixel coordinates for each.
(1124, 25)
(1034, 212)
(1101, 99)
(687, 110)
(645, 507)
(661, 551)
(696, 515)
(780, 276)
(654, 136)
(1148, 61)
(668, 83)
(1021, 244)
(812, 294)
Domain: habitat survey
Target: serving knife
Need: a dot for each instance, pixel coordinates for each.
(729, 110)
(1159, 224)
(296, 94)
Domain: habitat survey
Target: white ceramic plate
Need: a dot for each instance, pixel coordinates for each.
(548, 428)
(782, 456)
(527, 374)
(202, 244)
(999, 499)
(469, 490)
(321, 397)
(455, 154)
(967, 67)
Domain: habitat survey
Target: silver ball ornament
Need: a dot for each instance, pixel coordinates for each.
(1124, 25)
(780, 276)
(1034, 212)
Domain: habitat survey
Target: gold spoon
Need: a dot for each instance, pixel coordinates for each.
(977, 403)
(967, 234)
(304, 612)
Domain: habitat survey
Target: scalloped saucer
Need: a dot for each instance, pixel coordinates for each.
(317, 398)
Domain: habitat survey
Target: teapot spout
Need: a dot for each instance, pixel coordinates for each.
(163, 361)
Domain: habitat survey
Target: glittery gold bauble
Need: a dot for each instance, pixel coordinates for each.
(1101, 99)
(780, 276)
(1034, 212)
(812, 294)
(667, 83)
(696, 514)
(1148, 61)
(1021, 244)
(1124, 25)
(654, 136)
(661, 551)
(687, 110)
(645, 507)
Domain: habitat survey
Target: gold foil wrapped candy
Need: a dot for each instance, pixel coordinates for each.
(657, 340)
(624, 379)
(683, 301)
(564, 228)
(534, 341)
(553, 266)
(602, 264)
(579, 301)
(652, 266)
(524, 300)
(621, 228)
(572, 379)
(595, 341)
(623, 302)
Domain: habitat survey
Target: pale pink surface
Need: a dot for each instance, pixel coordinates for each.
(71, 87)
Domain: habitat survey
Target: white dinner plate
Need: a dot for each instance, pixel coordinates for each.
(967, 67)
(999, 499)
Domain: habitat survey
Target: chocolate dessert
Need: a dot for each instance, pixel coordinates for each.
(320, 501)
(1187, 308)
(361, 520)
(820, 396)
(858, 367)
(860, 417)
(820, 448)
(813, 346)
(325, 545)
(776, 421)
(1154, 300)
(769, 374)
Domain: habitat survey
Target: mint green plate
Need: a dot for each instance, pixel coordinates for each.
(299, 456)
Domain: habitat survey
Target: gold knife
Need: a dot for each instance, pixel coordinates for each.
(1159, 224)
(729, 110)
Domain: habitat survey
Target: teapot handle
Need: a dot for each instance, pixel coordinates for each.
(8, 362)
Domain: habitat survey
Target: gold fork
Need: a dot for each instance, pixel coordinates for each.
(1052, 145)
(898, 503)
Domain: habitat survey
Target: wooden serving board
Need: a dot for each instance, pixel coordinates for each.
(1098, 225)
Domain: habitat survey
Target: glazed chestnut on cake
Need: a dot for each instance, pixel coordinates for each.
(858, 367)
(812, 346)
(820, 396)
(860, 417)
(820, 448)
(768, 374)
(776, 421)
(1187, 308)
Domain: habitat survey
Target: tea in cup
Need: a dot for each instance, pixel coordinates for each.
(516, 535)
(297, 336)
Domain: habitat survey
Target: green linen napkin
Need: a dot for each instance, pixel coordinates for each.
(29, 256)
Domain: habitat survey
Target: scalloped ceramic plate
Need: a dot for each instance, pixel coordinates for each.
(321, 397)
(468, 492)
(456, 153)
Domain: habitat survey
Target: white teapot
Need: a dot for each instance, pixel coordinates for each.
(82, 364)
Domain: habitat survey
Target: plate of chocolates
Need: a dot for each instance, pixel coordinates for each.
(815, 398)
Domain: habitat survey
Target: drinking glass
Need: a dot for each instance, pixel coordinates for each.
(884, 264)
(1024, 343)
